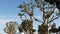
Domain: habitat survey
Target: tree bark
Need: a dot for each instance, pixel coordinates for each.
(11, 29)
(31, 26)
(11, 32)
(44, 29)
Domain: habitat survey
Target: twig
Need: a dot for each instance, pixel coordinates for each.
(38, 20)
(53, 19)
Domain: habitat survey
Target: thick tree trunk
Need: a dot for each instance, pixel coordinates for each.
(44, 26)
(11, 32)
(46, 32)
(44, 29)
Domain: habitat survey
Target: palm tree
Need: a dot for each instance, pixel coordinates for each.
(11, 27)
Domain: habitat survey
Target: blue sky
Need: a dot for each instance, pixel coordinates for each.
(9, 12)
(9, 7)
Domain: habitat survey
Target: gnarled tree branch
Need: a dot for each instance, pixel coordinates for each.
(38, 20)
(53, 19)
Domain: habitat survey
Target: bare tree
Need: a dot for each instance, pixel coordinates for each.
(25, 9)
(49, 14)
(11, 27)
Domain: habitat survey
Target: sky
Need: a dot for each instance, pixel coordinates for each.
(9, 12)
